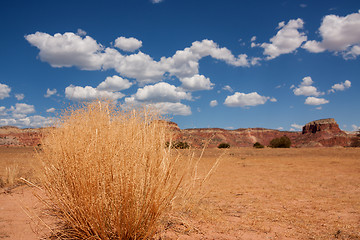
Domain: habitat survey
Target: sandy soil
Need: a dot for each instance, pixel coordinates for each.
(254, 194)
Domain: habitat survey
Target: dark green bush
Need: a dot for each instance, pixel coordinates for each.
(282, 142)
(258, 145)
(224, 145)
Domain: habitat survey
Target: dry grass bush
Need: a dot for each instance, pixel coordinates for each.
(108, 174)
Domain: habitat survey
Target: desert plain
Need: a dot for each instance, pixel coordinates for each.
(296, 193)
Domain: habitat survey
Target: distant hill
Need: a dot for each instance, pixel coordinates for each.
(319, 133)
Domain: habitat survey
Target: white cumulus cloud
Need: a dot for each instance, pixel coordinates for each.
(315, 101)
(305, 88)
(50, 92)
(161, 92)
(245, 99)
(21, 110)
(114, 83)
(340, 86)
(128, 44)
(77, 93)
(287, 39)
(67, 50)
(297, 126)
(339, 34)
(4, 91)
(172, 108)
(196, 83)
(213, 103)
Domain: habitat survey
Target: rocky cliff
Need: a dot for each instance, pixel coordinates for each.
(319, 133)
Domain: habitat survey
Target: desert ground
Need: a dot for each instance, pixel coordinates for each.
(307, 193)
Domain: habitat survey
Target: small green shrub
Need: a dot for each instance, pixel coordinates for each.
(224, 145)
(282, 142)
(258, 145)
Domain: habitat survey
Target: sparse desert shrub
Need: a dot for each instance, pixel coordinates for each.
(224, 145)
(258, 145)
(282, 142)
(107, 173)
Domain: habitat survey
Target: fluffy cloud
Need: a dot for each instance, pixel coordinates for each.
(108, 89)
(305, 88)
(196, 82)
(287, 39)
(244, 100)
(114, 83)
(19, 96)
(49, 92)
(355, 127)
(128, 44)
(340, 86)
(172, 108)
(77, 93)
(315, 101)
(32, 121)
(156, 1)
(297, 126)
(163, 96)
(339, 35)
(67, 50)
(161, 92)
(213, 103)
(21, 110)
(4, 91)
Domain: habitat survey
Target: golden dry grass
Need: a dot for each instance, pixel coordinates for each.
(108, 174)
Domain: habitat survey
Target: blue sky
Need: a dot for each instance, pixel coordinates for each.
(228, 64)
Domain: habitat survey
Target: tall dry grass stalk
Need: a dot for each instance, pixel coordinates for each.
(108, 174)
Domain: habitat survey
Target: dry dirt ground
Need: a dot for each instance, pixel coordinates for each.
(309, 193)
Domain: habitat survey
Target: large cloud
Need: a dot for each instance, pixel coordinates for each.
(196, 82)
(114, 83)
(69, 49)
(315, 101)
(4, 91)
(287, 39)
(128, 44)
(339, 34)
(77, 93)
(305, 88)
(161, 92)
(245, 99)
(163, 96)
(32, 121)
(340, 86)
(21, 110)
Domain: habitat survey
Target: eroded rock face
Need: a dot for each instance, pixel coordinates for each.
(328, 124)
(13, 136)
(319, 133)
